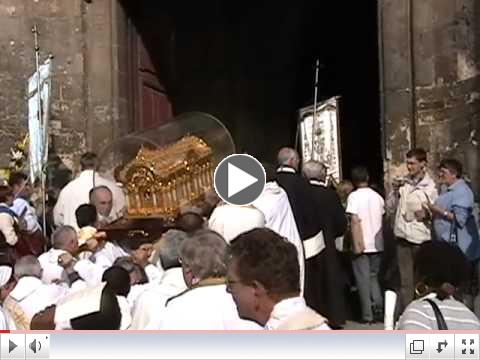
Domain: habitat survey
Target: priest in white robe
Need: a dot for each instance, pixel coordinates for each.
(231, 220)
(274, 204)
(76, 193)
(263, 276)
(205, 305)
(30, 295)
(140, 248)
(105, 252)
(59, 265)
(93, 308)
(149, 307)
(138, 279)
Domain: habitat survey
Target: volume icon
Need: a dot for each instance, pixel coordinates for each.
(35, 346)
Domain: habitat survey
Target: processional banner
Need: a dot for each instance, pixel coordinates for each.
(38, 118)
(320, 137)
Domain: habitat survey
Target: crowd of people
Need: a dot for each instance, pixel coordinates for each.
(305, 255)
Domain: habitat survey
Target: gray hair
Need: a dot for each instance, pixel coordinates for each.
(93, 191)
(127, 263)
(204, 253)
(286, 156)
(170, 246)
(59, 237)
(28, 266)
(314, 170)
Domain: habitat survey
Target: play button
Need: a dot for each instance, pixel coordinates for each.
(239, 179)
(11, 346)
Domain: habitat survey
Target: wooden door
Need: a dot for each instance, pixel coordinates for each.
(151, 52)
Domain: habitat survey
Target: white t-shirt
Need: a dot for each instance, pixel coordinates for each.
(369, 206)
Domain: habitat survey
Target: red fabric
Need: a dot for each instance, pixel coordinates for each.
(30, 244)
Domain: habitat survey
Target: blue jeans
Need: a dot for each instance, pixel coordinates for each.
(365, 270)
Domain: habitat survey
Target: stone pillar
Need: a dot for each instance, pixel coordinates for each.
(88, 41)
(436, 41)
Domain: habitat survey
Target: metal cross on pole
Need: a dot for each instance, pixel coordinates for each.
(317, 66)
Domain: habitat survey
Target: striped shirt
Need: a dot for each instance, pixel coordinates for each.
(419, 315)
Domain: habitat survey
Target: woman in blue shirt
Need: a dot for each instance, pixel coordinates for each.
(452, 213)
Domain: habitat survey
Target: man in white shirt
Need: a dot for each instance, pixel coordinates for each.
(366, 208)
(263, 276)
(30, 295)
(205, 305)
(76, 193)
(231, 220)
(149, 307)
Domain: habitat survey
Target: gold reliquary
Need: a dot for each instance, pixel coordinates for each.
(159, 182)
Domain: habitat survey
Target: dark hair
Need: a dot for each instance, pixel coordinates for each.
(417, 153)
(17, 178)
(5, 193)
(268, 258)
(108, 318)
(189, 222)
(360, 175)
(88, 161)
(127, 263)
(134, 241)
(86, 215)
(438, 263)
(452, 165)
(118, 279)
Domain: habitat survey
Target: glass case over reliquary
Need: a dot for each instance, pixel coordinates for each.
(166, 169)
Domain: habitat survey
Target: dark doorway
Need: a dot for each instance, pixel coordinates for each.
(251, 64)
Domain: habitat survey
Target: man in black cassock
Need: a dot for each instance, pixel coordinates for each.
(294, 185)
(325, 280)
(310, 223)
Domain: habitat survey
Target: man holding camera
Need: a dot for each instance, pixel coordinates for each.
(412, 226)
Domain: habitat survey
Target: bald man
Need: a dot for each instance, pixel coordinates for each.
(325, 281)
(102, 198)
(76, 193)
(295, 186)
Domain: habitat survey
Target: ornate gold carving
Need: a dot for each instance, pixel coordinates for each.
(161, 181)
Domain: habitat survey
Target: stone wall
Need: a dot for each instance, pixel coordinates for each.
(441, 114)
(433, 44)
(88, 101)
